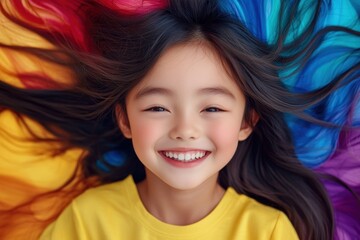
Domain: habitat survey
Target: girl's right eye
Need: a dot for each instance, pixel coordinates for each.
(156, 109)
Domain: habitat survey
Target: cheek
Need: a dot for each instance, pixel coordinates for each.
(225, 138)
(144, 133)
(142, 140)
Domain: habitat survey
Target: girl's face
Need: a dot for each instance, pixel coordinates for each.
(185, 117)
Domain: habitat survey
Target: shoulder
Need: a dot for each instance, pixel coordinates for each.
(250, 207)
(259, 220)
(96, 213)
(109, 194)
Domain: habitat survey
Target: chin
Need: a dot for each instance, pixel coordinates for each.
(184, 183)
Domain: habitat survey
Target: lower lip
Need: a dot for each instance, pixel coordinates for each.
(180, 164)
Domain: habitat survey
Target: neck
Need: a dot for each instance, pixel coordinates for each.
(179, 207)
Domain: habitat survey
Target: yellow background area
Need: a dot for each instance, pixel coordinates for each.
(13, 62)
(20, 157)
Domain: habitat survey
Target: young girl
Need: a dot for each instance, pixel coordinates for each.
(199, 98)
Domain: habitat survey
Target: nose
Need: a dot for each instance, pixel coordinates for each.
(185, 128)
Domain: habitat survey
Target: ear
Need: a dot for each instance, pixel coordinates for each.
(123, 121)
(247, 128)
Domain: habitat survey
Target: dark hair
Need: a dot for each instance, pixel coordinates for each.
(264, 166)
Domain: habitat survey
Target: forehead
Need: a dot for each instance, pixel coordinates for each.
(189, 59)
(187, 67)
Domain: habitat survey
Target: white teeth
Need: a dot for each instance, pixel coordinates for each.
(185, 157)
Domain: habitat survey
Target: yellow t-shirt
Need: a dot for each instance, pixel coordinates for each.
(115, 211)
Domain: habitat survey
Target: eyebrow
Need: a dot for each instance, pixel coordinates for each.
(167, 92)
(217, 91)
(152, 91)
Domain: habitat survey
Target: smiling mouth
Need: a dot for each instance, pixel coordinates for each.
(185, 157)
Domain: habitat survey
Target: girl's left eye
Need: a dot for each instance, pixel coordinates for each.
(213, 109)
